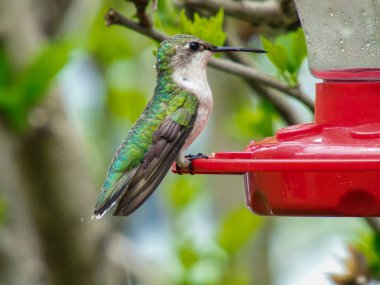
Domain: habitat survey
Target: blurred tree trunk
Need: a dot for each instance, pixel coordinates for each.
(47, 236)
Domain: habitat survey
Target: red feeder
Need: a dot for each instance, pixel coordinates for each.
(330, 167)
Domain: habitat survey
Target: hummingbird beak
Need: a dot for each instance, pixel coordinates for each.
(229, 49)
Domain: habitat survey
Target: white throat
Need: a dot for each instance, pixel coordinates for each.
(192, 76)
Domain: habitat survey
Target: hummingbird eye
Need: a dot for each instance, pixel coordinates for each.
(194, 46)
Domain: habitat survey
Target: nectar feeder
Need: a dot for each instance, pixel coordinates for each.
(330, 167)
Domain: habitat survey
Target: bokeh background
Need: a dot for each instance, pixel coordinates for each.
(70, 89)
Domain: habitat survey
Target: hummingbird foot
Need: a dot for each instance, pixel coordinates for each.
(191, 157)
(178, 169)
(186, 162)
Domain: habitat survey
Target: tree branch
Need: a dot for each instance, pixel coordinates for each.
(279, 102)
(274, 14)
(112, 17)
(143, 18)
(258, 77)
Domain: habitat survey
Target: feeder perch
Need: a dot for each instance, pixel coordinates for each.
(330, 167)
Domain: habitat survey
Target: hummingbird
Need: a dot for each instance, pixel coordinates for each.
(172, 120)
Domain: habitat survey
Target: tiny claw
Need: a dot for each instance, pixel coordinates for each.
(190, 168)
(178, 169)
(191, 157)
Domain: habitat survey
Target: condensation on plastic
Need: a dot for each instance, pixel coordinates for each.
(343, 38)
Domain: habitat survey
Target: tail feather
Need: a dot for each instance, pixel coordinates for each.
(118, 188)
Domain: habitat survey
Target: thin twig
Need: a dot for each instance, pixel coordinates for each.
(262, 78)
(279, 102)
(273, 13)
(143, 18)
(112, 17)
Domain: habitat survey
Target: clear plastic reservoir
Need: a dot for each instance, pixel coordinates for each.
(343, 38)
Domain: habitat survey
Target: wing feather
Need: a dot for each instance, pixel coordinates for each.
(156, 164)
(121, 184)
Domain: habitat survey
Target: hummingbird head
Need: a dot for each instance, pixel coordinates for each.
(183, 59)
(189, 52)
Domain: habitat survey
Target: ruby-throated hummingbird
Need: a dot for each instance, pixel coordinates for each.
(172, 120)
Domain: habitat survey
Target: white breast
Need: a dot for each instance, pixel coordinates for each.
(192, 77)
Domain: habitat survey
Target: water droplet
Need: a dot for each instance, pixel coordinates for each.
(82, 219)
(341, 41)
(330, 12)
(325, 26)
(367, 44)
(342, 50)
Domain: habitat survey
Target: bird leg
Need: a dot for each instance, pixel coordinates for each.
(188, 162)
(178, 169)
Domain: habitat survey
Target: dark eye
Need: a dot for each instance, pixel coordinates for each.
(194, 46)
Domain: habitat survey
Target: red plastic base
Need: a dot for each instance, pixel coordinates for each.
(327, 168)
(344, 179)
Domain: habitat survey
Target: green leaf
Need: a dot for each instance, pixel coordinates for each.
(237, 229)
(276, 54)
(287, 53)
(369, 246)
(108, 44)
(165, 15)
(30, 85)
(37, 76)
(187, 254)
(3, 209)
(183, 191)
(119, 102)
(208, 29)
(254, 121)
(5, 68)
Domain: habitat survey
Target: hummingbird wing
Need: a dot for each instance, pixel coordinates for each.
(140, 165)
(167, 143)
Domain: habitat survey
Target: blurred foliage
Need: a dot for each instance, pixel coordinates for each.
(374, 259)
(215, 261)
(3, 209)
(22, 90)
(101, 41)
(257, 121)
(369, 246)
(166, 16)
(200, 264)
(5, 68)
(189, 191)
(237, 229)
(209, 29)
(287, 53)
